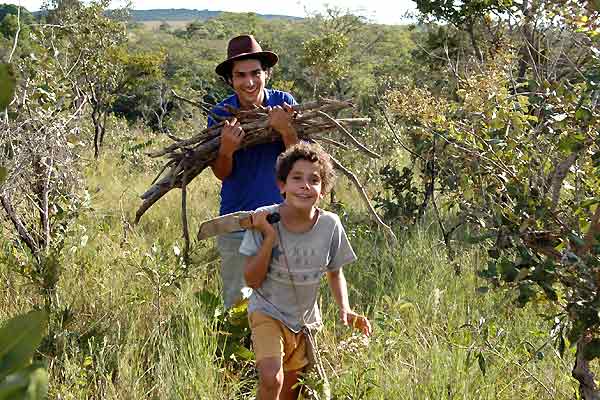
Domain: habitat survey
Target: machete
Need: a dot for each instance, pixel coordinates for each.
(227, 223)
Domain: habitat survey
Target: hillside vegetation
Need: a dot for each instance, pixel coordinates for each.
(485, 117)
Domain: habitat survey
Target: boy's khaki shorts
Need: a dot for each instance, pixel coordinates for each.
(271, 338)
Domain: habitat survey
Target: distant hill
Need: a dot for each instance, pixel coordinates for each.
(178, 14)
(184, 14)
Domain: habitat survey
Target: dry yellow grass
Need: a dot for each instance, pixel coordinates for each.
(154, 25)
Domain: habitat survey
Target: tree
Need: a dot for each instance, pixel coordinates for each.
(39, 187)
(188, 68)
(103, 68)
(10, 18)
(509, 146)
(11, 9)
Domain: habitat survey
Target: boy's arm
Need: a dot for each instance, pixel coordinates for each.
(339, 289)
(257, 266)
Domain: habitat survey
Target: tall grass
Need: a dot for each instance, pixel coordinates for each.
(131, 326)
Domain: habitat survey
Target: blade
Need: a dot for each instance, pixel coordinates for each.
(224, 224)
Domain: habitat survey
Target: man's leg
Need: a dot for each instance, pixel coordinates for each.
(232, 267)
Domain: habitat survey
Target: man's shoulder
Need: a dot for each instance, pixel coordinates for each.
(220, 110)
(277, 97)
(228, 101)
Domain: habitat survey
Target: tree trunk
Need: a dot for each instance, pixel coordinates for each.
(99, 120)
(103, 127)
(96, 121)
(476, 48)
(22, 231)
(430, 172)
(528, 35)
(581, 371)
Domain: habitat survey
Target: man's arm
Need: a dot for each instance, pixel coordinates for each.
(339, 289)
(256, 268)
(280, 119)
(231, 137)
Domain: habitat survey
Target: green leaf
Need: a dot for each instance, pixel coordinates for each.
(478, 239)
(549, 292)
(8, 83)
(30, 383)
(576, 239)
(468, 360)
(208, 299)
(592, 350)
(561, 345)
(482, 363)
(19, 337)
(237, 351)
(583, 114)
(3, 174)
(589, 202)
(571, 142)
(508, 271)
(526, 292)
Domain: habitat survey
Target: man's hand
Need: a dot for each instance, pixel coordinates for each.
(260, 223)
(280, 119)
(231, 137)
(357, 321)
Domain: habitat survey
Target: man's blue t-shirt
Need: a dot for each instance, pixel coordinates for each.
(252, 182)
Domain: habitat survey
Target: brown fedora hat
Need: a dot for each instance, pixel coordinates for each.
(242, 47)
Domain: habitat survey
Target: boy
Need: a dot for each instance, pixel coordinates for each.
(284, 266)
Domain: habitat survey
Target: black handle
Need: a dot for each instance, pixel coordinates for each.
(273, 218)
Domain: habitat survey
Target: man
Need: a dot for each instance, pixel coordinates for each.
(247, 175)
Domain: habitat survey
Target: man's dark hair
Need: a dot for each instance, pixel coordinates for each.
(229, 73)
(309, 152)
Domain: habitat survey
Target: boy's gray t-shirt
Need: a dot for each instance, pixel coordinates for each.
(310, 254)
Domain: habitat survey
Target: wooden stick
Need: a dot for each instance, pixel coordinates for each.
(365, 198)
(206, 107)
(352, 138)
(188, 158)
(331, 141)
(184, 221)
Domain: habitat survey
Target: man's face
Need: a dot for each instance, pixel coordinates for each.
(248, 81)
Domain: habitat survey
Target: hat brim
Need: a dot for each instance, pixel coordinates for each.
(267, 57)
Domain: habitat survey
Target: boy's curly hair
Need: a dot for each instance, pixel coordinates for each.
(309, 152)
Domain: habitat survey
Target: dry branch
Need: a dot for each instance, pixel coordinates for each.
(365, 198)
(187, 158)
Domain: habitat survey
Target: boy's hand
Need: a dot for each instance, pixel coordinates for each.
(260, 223)
(357, 321)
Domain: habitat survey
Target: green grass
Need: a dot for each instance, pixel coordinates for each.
(131, 325)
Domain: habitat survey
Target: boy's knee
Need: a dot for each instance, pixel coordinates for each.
(270, 374)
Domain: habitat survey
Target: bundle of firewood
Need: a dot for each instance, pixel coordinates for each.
(187, 158)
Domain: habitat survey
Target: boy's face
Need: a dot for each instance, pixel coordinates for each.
(303, 186)
(248, 80)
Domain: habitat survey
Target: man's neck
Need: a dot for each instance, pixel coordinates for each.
(252, 106)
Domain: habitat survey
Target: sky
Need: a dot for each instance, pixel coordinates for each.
(379, 11)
